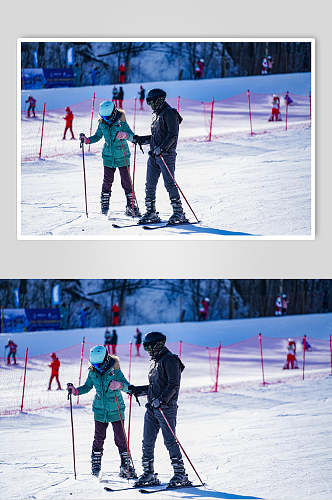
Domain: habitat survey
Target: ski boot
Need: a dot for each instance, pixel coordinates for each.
(105, 202)
(178, 216)
(124, 472)
(96, 462)
(148, 478)
(132, 209)
(180, 477)
(150, 215)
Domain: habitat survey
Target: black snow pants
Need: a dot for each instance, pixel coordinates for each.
(153, 421)
(100, 436)
(154, 169)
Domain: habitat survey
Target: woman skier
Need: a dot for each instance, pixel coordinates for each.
(107, 378)
(116, 131)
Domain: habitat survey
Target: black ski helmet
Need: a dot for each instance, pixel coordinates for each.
(153, 342)
(156, 98)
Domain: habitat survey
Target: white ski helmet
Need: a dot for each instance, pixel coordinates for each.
(98, 354)
(106, 108)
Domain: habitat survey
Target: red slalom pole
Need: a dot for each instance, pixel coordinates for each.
(218, 367)
(92, 110)
(331, 353)
(211, 119)
(130, 355)
(135, 106)
(262, 363)
(128, 170)
(42, 132)
(25, 372)
(125, 435)
(129, 420)
(79, 378)
(176, 439)
(134, 168)
(177, 185)
(286, 108)
(84, 180)
(251, 132)
(180, 348)
(304, 348)
(178, 104)
(310, 105)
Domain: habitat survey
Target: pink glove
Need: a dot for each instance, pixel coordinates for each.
(86, 140)
(122, 135)
(115, 385)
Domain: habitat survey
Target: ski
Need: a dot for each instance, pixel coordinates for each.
(107, 488)
(118, 226)
(168, 488)
(170, 225)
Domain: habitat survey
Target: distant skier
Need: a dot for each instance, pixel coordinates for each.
(305, 343)
(69, 122)
(163, 141)
(276, 115)
(277, 306)
(12, 351)
(32, 106)
(114, 341)
(107, 378)
(291, 355)
(141, 94)
(288, 98)
(55, 365)
(120, 97)
(116, 155)
(107, 340)
(162, 394)
(201, 65)
(122, 72)
(115, 96)
(269, 65)
(265, 66)
(115, 314)
(138, 340)
(284, 304)
(204, 309)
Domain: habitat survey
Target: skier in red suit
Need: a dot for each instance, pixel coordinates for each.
(69, 122)
(291, 355)
(12, 351)
(276, 115)
(122, 70)
(55, 365)
(115, 314)
(32, 106)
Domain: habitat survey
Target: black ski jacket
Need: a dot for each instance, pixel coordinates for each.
(164, 129)
(164, 378)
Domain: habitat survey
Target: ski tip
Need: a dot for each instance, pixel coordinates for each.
(107, 488)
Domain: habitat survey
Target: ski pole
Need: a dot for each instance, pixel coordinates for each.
(125, 435)
(129, 421)
(170, 428)
(132, 202)
(72, 431)
(128, 170)
(84, 177)
(177, 185)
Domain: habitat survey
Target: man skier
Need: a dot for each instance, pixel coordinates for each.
(163, 141)
(69, 123)
(162, 393)
(12, 351)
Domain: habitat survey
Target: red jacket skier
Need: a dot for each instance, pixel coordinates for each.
(275, 109)
(32, 106)
(122, 70)
(204, 309)
(12, 351)
(55, 365)
(69, 122)
(115, 314)
(291, 355)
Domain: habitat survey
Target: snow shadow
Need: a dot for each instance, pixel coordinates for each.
(220, 494)
(192, 229)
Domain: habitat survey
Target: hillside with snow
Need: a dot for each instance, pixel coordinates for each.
(279, 433)
(238, 184)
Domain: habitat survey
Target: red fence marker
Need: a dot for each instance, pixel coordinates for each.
(310, 105)
(180, 348)
(331, 353)
(262, 362)
(135, 105)
(178, 104)
(251, 132)
(25, 372)
(211, 119)
(130, 356)
(286, 108)
(92, 110)
(79, 378)
(42, 132)
(304, 348)
(218, 368)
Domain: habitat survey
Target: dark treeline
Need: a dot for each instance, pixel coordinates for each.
(229, 299)
(148, 61)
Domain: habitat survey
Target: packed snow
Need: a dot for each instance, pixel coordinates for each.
(248, 440)
(238, 184)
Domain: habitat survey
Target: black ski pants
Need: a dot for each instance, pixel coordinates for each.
(153, 421)
(154, 169)
(100, 436)
(109, 178)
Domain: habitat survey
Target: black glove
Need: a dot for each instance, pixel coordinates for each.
(137, 139)
(131, 390)
(82, 137)
(156, 403)
(157, 151)
(70, 388)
